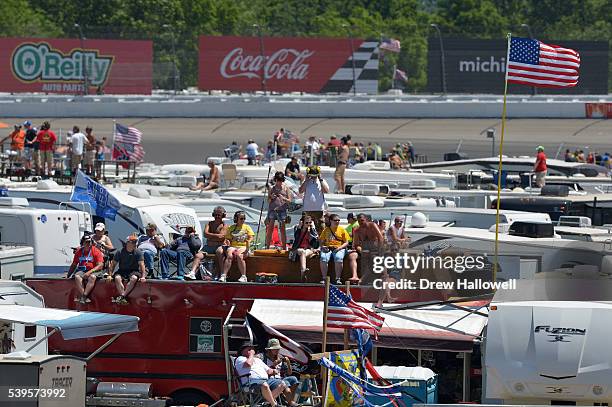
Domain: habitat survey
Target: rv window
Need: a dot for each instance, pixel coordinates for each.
(29, 332)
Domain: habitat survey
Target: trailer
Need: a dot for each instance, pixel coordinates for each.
(31, 377)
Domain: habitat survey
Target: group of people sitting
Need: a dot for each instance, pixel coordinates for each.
(335, 243)
(269, 373)
(317, 234)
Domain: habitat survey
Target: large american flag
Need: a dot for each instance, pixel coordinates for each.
(390, 44)
(124, 134)
(345, 313)
(534, 63)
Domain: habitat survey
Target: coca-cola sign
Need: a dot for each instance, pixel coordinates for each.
(287, 64)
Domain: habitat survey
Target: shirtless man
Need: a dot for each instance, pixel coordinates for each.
(366, 239)
(214, 179)
(343, 156)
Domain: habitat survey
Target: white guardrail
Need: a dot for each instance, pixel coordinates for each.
(296, 105)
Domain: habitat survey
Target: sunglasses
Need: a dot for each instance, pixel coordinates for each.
(335, 220)
(241, 218)
(308, 223)
(218, 215)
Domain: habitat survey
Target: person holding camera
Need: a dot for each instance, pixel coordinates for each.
(236, 246)
(182, 250)
(86, 266)
(279, 196)
(305, 244)
(334, 241)
(314, 189)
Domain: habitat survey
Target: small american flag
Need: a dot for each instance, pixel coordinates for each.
(128, 152)
(345, 313)
(401, 75)
(125, 134)
(391, 45)
(534, 63)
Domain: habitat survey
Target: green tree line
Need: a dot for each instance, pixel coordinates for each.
(182, 21)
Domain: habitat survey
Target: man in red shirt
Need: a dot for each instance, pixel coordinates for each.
(540, 167)
(46, 140)
(87, 262)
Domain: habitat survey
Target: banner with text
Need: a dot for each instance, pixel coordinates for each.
(65, 65)
(479, 66)
(313, 65)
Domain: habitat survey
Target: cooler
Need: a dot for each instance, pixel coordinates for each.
(420, 384)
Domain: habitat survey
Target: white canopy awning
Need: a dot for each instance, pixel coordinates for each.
(434, 327)
(72, 324)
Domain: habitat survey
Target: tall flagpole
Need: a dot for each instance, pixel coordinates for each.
(499, 169)
(324, 372)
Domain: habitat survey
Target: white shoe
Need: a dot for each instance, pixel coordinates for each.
(243, 279)
(190, 276)
(222, 279)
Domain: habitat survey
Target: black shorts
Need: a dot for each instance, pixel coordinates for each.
(127, 274)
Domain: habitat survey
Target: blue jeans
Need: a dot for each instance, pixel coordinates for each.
(290, 381)
(181, 258)
(338, 256)
(149, 259)
(273, 383)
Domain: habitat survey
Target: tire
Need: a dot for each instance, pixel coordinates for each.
(189, 397)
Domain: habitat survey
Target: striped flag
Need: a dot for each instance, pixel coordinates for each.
(534, 63)
(128, 152)
(345, 313)
(125, 134)
(390, 44)
(401, 75)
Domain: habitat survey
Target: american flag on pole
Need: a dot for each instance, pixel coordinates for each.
(401, 75)
(534, 63)
(127, 144)
(390, 44)
(345, 313)
(125, 134)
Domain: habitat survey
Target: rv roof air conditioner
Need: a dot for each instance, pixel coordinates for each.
(422, 184)
(418, 220)
(46, 184)
(532, 229)
(357, 202)
(139, 193)
(579, 221)
(369, 189)
(12, 201)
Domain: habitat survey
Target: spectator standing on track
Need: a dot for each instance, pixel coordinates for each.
(343, 156)
(252, 151)
(90, 150)
(46, 139)
(540, 167)
(17, 137)
(77, 143)
(31, 147)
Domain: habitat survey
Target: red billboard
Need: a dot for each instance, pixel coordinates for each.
(313, 65)
(598, 110)
(65, 65)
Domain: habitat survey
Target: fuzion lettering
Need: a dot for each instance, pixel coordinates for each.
(32, 62)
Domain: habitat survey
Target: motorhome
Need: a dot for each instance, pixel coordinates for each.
(53, 233)
(547, 343)
(137, 209)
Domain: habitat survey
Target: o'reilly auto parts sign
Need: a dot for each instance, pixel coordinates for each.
(479, 66)
(65, 65)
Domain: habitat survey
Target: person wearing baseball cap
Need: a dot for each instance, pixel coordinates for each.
(540, 168)
(86, 267)
(314, 189)
(281, 364)
(131, 268)
(30, 150)
(255, 374)
(102, 240)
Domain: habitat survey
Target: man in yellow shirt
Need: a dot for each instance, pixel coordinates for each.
(334, 240)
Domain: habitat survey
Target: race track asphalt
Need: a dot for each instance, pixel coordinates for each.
(191, 140)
